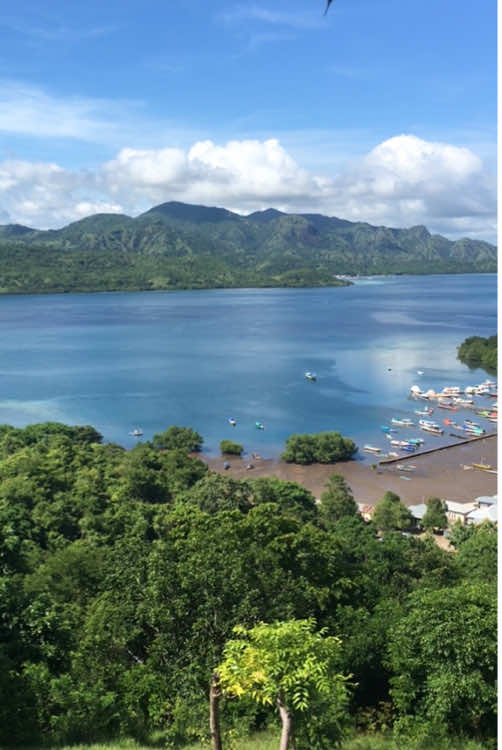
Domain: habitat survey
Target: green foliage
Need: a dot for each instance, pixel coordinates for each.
(435, 515)
(123, 573)
(178, 438)
(290, 665)
(337, 500)
(231, 448)
(178, 246)
(477, 351)
(443, 654)
(391, 514)
(323, 447)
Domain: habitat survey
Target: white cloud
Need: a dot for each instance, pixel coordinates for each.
(402, 181)
(274, 17)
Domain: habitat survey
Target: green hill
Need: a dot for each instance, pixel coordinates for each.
(180, 246)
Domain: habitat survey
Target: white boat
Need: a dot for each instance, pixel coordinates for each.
(402, 422)
(434, 428)
(420, 372)
(137, 432)
(371, 449)
(424, 412)
(311, 376)
(232, 421)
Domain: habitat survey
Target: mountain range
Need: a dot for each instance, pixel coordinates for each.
(181, 246)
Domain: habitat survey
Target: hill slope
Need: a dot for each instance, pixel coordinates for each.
(176, 245)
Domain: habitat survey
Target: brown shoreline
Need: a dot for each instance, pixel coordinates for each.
(438, 473)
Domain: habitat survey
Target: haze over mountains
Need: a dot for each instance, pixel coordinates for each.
(177, 245)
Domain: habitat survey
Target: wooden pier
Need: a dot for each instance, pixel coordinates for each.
(400, 459)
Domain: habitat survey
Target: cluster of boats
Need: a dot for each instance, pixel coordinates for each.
(451, 398)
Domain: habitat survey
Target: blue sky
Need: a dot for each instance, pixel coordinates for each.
(382, 110)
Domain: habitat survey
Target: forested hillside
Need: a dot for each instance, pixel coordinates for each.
(180, 246)
(123, 574)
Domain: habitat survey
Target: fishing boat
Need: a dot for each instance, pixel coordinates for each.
(430, 427)
(424, 412)
(402, 422)
(311, 376)
(232, 421)
(371, 449)
(446, 405)
(416, 441)
(420, 372)
(463, 401)
(483, 467)
(406, 467)
(409, 448)
(393, 454)
(259, 426)
(138, 432)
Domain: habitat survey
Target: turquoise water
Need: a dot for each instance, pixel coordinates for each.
(150, 360)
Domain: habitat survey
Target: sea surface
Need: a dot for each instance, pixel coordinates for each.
(120, 361)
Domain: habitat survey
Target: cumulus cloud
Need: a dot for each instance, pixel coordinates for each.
(402, 181)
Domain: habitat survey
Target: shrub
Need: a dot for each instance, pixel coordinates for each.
(324, 447)
(231, 448)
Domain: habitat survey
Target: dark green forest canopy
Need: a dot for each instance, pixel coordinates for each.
(181, 246)
(123, 573)
(477, 351)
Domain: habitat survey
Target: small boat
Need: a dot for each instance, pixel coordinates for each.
(483, 467)
(393, 454)
(311, 376)
(232, 421)
(446, 405)
(416, 441)
(463, 401)
(402, 422)
(420, 372)
(431, 427)
(371, 449)
(137, 432)
(409, 448)
(259, 426)
(406, 467)
(424, 412)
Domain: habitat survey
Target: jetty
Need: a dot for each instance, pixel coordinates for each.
(387, 461)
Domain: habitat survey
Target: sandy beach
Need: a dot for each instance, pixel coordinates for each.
(440, 474)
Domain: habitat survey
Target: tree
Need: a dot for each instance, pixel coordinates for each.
(323, 447)
(292, 498)
(337, 500)
(444, 656)
(287, 665)
(181, 438)
(391, 514)
(435, 515)
(477, 554)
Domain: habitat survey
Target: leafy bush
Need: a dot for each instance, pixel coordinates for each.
(179, 438)
(323, 448)
(477, 351)
(231, 448)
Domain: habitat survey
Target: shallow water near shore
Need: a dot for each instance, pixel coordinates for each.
(195, 358)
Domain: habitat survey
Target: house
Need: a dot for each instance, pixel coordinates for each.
(366, 511)
(418, 512)
(483, 513)
(458, 511)
(485, 501)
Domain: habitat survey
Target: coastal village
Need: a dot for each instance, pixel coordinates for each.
(463, 473)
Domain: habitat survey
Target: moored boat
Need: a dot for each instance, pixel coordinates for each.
(371, 449)
(311, 376)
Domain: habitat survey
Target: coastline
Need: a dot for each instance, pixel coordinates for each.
(439, 473)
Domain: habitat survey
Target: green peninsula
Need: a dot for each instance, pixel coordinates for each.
(180, 246)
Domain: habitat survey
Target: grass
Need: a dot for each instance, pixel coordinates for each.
(269, 740)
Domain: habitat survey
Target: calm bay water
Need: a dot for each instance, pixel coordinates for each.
(123, 360)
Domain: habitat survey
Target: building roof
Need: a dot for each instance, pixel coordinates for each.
(418, 511)
(460, 509)
(486, 500)
(483, 514)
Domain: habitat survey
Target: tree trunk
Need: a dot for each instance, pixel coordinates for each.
(287, 725)
(214, 712)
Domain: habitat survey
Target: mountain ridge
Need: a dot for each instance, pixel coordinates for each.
(177, 245)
